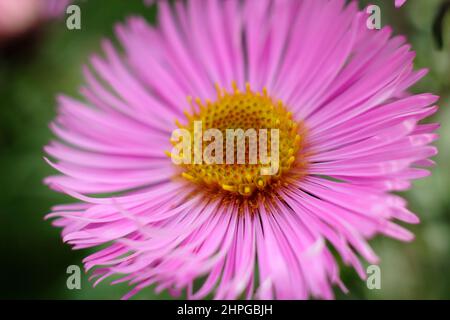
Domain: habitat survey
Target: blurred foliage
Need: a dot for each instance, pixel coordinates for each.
(48, 61)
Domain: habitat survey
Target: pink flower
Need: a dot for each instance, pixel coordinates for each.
(20, 16)
(350, 134)
(399, 3)
(55, 8)
(17, 16)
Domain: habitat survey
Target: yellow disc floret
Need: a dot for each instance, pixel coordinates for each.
(261, 142)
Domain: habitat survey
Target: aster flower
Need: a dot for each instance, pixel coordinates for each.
(350, 135)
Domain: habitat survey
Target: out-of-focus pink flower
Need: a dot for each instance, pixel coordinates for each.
(351, 135)
(399, 3)
(19, 16)
(55, 8)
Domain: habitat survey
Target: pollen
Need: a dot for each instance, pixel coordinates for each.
(255, 145)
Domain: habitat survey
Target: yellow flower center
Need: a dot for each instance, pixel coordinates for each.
(265, 125)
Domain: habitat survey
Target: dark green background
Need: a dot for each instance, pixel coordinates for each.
(33, 257)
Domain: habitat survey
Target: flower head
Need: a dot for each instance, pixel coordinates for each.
(349, 135)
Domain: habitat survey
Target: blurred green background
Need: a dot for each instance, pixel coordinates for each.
(48, 61)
